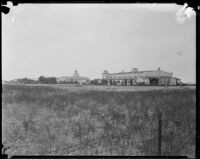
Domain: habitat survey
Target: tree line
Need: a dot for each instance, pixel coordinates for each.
(40, 80)
(53, 80)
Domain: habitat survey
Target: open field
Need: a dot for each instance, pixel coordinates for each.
(73, 87)
(47, 120)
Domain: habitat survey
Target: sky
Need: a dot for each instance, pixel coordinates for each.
(57, 39)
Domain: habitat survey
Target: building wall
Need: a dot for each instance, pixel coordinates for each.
(156, 73)
(137, 77)
(142, 80)
(173, 81)
(164, 81)
(62, 79)
(72, 79)
(105, 75)
(178, 81)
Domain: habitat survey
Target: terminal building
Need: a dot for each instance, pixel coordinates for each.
(136, 77)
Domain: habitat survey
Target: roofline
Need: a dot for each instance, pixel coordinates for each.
(137, 72)
(72, 77)
(148, 77)
(176, 78)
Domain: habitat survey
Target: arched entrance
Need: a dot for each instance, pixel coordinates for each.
(154, 81)
(131, 82)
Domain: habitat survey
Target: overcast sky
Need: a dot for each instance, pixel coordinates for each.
(57, 39)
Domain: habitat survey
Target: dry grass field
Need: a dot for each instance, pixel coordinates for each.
(73, 87)
(97, 120)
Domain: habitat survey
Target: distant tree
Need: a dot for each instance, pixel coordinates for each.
(26, 81)
(47, 80)
(104, 82)
(94, 82)
(51, 80)
(42, 80)
(76, 82)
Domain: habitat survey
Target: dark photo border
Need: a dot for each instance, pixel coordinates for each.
(5, 10)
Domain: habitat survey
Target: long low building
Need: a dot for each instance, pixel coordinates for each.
(135, 77)
(73, 79)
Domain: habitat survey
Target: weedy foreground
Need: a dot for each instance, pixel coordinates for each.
(51, 121)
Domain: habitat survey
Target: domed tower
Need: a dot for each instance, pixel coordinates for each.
(105, 74)
(76, 74)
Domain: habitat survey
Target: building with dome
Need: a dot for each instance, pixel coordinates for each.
(73, 79)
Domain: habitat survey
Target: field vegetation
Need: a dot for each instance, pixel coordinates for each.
(41, 120)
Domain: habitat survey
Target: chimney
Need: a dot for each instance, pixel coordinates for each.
(159, 69)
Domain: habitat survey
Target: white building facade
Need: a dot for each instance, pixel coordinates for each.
(135, 77)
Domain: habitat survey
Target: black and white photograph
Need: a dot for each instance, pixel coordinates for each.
(99, 79)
